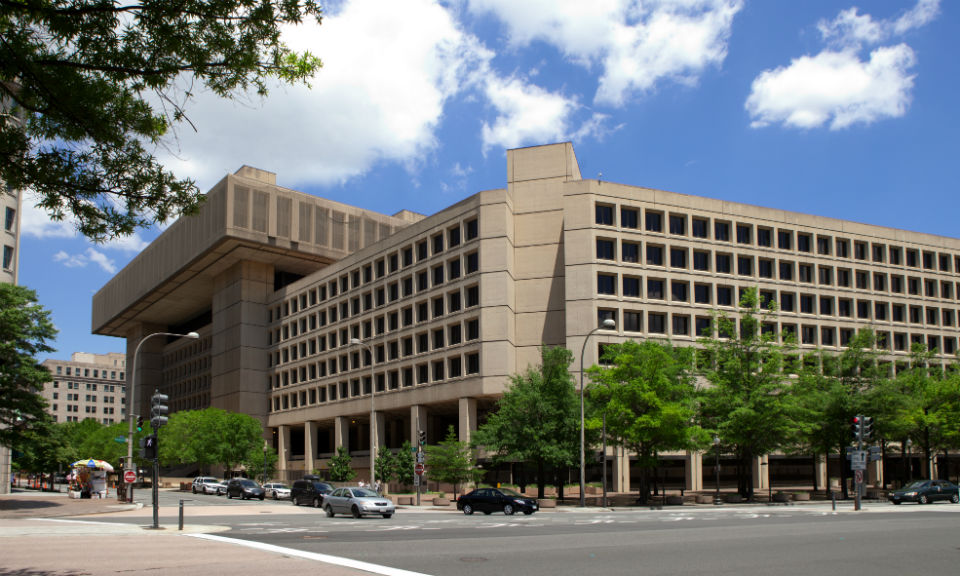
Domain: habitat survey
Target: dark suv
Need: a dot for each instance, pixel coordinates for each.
(244, 488)
(309, 492)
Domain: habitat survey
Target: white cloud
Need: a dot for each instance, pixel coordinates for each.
(839, 86)
(525, 113)
(35, 222)
(81, 260)
(389, 69)
(637, 43)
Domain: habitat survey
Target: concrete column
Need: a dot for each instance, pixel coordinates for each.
(418, 421)
(761, 473)
(381, 430)
(283, 448)
(238, 355)
(468, 418)
(309, 446)
(621, 471)
(875, 473)
(820, 470)
(341, 433)
(148, 371)
(6, 469)
(693, 471)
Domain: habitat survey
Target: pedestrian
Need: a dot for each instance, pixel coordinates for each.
(376, 487)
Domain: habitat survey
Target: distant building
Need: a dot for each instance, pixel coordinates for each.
(87, 386)
(10, 244)
(280, 284)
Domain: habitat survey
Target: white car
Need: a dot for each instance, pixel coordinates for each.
(209, 485)
(277, 490)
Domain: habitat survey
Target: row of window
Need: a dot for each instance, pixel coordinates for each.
(686, 325)
(787, 301)
(90, 386)
(403, 257)
(440, 370)
(776, 269)
(86, 409)
(659, 221)
(424, 342)
(97, 373)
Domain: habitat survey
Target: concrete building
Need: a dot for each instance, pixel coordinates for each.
(279, 284)
(87, 386)
(10, 244)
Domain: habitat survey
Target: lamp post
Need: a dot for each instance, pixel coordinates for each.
(607, 324)
(373, 412)
(265, 448)
(716, 466)
(131, 397)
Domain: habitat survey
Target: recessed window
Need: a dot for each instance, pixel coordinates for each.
(631, 287)
(606, 249)
(699, 227)
(744, 234)
(724, 296)
(679, 291)
(678, 257)
(879, 251)
(786, 270)
(764, 237)
(701, 260)
(632, 321)
(657, 323)
(655, 289)
(604, 215)
(681, 325)
(843, 248)
(606, 284)
(654, 255)
(823, 245)
(785, 239)
(860, 250)
(629, 218)
(745, 265)
(723, 263)
(678, 224)
(701, 293)
(721, 231)
(630, 252)
(804, 242)
(654, 221)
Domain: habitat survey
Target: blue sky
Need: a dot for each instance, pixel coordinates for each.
(824, 107)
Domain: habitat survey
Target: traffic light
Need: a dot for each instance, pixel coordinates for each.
(422, 437)
(856, 426)
(149, 447)
(158, 410)
(866, 427)
(139, 423)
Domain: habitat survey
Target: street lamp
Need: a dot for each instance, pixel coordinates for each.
(607, 324)
(265, 447)
(373, 412)
(716, 443)
(131, 397)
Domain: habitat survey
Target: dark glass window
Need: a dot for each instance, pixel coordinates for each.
(764, 237)
(803, 242)
(628, 218)
(698, 228)
(678, 224)
(765, 268)
(701, 260)
(745, 265)
(724, 296)
(723, 263)
(655, 289)
(744, 234)
(606, 249)
(785, 239)
(701, 293)
(657, 323)
(630, 252)
(786, 270)
(678, 257)
(606, 284)
(721, 231)
(631, 287)
(604, 215)
(654, 255)
(654, 222)
(679, 291)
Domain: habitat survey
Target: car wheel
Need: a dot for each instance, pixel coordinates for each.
(922, 499)
(275, 497)
(329, 510)
(508, 509)
(486, 512)
(387, 515)
(262, 497)
(527, 512)
(194, 489)
(293, 501)
(229, 496)
(896, 502)
(355, 511)
(955, 498)
(316, 502)
(467, 509)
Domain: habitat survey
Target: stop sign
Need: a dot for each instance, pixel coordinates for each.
(129, 476)
(418, 469)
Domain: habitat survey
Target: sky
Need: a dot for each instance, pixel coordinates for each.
(830, 108)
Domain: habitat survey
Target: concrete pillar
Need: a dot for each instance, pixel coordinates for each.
(147, 371)
(693, 471)
(238, 355)
(283, 448)
(761, 473)
(820, 470)
(875, 473)
(341, 433)
(621, 471)
(6, 469)
(381, 439)
(468, 418)
(418, 421)
(309, 446)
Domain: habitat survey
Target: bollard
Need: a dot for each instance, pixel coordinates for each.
(833, 496)
(181, 514)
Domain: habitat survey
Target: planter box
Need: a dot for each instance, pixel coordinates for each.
(801, 496)
(441, 501)
(674, 500)
(547, 503)
(704, 498)
(781, 497)
(405, 500)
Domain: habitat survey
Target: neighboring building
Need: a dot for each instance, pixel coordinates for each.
(278, 283)
(87, 386)
(10, 245)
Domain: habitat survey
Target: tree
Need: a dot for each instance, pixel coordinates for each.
(340, 469)
(210, 436)
(537, 418)
(90, 87)
(452, 461)
(648, 396)
(403, 464)
(25, 329)
(384, 467)
(259, 467)
(749, 405)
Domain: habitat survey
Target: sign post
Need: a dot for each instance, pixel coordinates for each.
(130, 476)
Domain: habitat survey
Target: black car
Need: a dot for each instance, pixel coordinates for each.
(309, 492)
(489, 500)
(924, 491)
(245, 488)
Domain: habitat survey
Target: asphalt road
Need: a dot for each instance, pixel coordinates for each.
(803, 540)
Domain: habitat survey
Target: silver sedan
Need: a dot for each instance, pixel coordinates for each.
(357, 502)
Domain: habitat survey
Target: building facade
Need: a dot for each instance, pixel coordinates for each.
(291, 301)
(87, 386)
(10, 245)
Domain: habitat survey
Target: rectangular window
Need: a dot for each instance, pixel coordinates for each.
(631, 287)
(657, 323)
(913, 258)
(744, 235)
(678, 257)
(701, 293)
(654, 255)
(897, 312)
(678, 224)
(654, 221)
(606, 284)
(630, 252)
(844, 308)
(632, 321)
(655, 289)
(805, 273)
(679, 291)
(786, 270)
(765, 268)
(723, 263)
(843, 248)
(826, 305)
(701, 260)
(745, 265)
(827, 335)
(807, 304)
(721, 231)
(823, 245)
(724, 296)
(10, 217)
(764, 237)
(699, 227)
(879, 251)
(704, 327)
(826, 275)
(880, 310)
(681, 325)
(628, 218)
(606, 249)
(804, 242)
(860, 250)
(7, 257)
(862, 280)
(785, 239)
(896, 255)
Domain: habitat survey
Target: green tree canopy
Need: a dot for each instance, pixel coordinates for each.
(25, 330)
(340, 469)
(648, 395)
(91, 87)
(210, 436)
(538, 417)
(452, 461)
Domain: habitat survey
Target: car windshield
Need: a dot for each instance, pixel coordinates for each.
(509, 492)
(917, 484)
(363, 493)
(279, 486)
(249, 483)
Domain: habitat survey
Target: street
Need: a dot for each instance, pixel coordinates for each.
(801, 539)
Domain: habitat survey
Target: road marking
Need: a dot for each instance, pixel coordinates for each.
(336, 560)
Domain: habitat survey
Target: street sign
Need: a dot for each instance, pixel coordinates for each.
(875, 453)
(418, 469)
(858, 460)
(416, 482)
(120, 439)
(419, 457)
(129, 476)
(858, 476)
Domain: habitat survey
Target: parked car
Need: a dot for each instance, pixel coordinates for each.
(208, 485)
(489, 500)
(924, 491)
(310, 492)
(357, 502)
(277, 490)
(245, 489)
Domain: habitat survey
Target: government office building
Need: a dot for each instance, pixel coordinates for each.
(87, 386)
(279, 283)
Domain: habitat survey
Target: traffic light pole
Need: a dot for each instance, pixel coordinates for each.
(858, 477)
